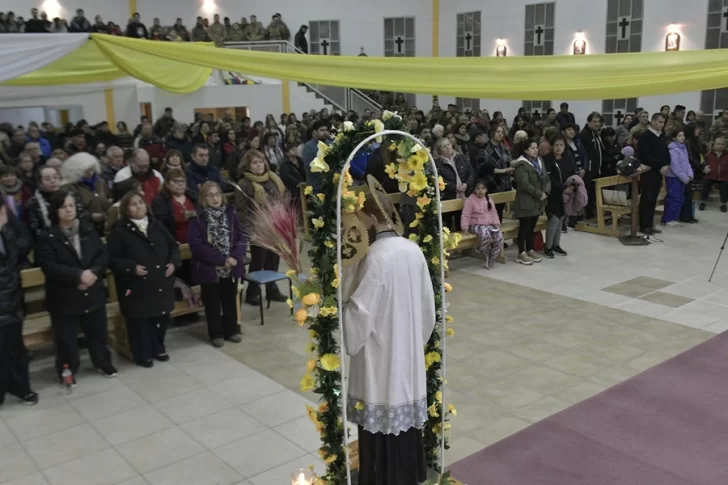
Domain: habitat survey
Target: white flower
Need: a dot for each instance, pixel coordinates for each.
(388, 115)
(416, 148)
(349, 126)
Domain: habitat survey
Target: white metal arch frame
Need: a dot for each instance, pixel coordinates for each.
(339, 294)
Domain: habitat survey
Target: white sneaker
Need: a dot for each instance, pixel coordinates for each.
(524, 259)
(534, 257)
(673, 224)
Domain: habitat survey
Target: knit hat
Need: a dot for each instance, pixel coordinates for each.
(628, 151)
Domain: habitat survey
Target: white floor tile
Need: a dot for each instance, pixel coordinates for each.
(159, 449)
(603, 298)
(256, 454)
(301, 432)
(132, 424)
(90, 382)
(34, 479)
(282, 473)
(6, 436)
(15, 463)
(103, 468)
(708, 309)
(646, 308)
(193, 405)
(210, 373)
(67, 445)
(224, 427)
(688, 318)
(107, 403)
(205, 469)
(694, 288)
(277, 408)
(717, 327)
(46, 417)
(246, 389)
(135, 481)
(163, 382)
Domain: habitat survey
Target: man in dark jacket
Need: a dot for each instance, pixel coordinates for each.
(654, 153)
(594, 146)
(136, 29)
(565, 117)
(201, 170)
(34, 24)
(301, 42)
(15, 244)
(79, 23)
(163, 126)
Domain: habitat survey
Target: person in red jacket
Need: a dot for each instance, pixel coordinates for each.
(716, 173)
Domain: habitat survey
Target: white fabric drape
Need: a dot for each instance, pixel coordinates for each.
(21, 54)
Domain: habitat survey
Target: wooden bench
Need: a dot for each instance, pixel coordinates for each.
(37, 330)
(613, 209)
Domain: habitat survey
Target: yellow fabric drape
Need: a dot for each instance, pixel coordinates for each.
(184, 67)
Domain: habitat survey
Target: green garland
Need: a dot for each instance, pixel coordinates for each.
(317, 302)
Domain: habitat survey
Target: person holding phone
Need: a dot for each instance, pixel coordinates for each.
(143, 256)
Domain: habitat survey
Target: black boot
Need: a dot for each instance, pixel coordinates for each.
(252, 296)
(274, 294)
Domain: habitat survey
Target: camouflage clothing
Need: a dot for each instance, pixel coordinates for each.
(217, 33)
(278, 31)
(719, 129)
(673, 124)
(199, 34)
(255, 31)
(237, 32)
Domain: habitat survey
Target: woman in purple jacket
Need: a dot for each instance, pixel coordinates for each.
(218, 248)
(678, 175)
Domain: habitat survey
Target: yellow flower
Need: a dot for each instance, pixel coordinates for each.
(378, 128)
(311, 412)
(412, 193)
(296, 292)
(391, 170)
(427, 238)
(438, 396)
(432, 411)
(328, 311)
(335, 283)
(311, 365)
(359, 406)
(448, 319)
(323, 150)
(312, 334)
(311, 299)
(388, 115)
(291, 273)
(329, 244)
(419, 182)
(437, 428)
(289, 302)
(320, 481)
(318, 222)
(414, 238)
(441, 183)
(349, 126)
(323, 407)
(330, 362)
(414, 223)
(319, 165)
(337, 177)
(435, 261)
(348, 180)
(447, 426)
(403, 187)
(307, 383)
(448, 287)
(451, 409)
(415, 163)
(308, 190)
(322, 453)
(450, 332)
(431, 358)
(330, 459)
(311, 347)
(423, 202)
(361, 198)
(301, 316)
(321, 197)
(392, 147)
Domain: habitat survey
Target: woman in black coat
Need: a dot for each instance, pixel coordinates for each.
(74, 261)
(457, 172)
(15, 244)
(143, 256)
(560, 166)
(292, 173)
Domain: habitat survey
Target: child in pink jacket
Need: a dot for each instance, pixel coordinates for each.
(480, 217)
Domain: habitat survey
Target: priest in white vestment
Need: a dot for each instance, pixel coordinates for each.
(387, 320)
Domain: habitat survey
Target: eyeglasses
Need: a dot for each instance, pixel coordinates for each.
(178, 181)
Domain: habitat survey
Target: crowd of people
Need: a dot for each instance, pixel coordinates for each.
(149, 189)
(203, 31)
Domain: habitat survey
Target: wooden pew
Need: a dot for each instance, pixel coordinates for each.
(616, 209)
(37, 327)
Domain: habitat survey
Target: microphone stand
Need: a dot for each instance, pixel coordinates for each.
(717, 260)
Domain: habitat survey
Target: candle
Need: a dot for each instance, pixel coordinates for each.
(304, 476)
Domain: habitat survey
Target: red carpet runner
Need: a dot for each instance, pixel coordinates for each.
(666, 426)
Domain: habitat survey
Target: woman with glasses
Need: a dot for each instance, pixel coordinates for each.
(172, 207)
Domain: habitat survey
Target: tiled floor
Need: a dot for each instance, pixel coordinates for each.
(529, 342)
(201, 419)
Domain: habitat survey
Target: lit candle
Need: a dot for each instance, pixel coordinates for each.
(303, 476)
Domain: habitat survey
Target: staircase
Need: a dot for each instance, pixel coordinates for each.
(341, 99)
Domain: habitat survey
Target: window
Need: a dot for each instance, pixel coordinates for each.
(537, 108)
(399, 41)
(324, 37)
(468, 34)
(716, 37)
(471, 105)
(539, 35)
(624, 34)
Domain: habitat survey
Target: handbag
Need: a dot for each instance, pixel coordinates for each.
(538, 243)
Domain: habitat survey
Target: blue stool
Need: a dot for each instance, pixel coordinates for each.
(262, 278)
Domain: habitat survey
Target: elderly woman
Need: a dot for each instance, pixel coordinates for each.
(218, 249)
(259, 184)
(74, 261)
(80, 175)
(456, 170)
(144, 257)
